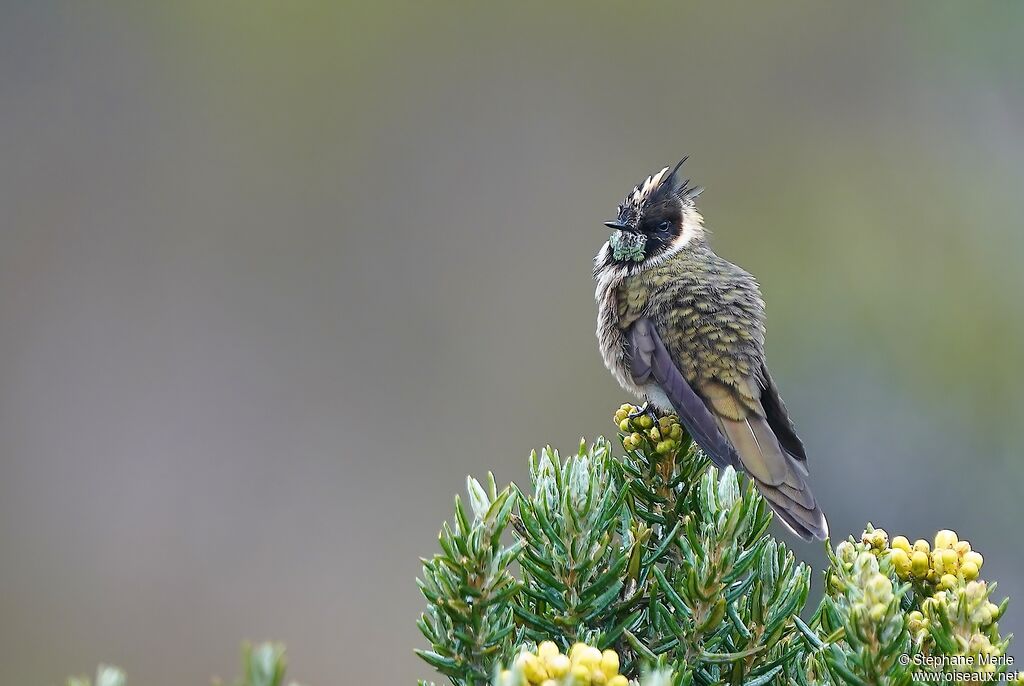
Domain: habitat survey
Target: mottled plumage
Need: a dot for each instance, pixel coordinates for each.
(684, 329)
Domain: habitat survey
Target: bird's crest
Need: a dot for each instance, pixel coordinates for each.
(656, 190)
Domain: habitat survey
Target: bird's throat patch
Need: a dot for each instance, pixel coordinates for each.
(628, 245)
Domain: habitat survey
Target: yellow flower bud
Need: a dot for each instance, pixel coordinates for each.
(877, 613)
(646, 422)
(546, 650)
(962, 548)
(558, 665)
(994, 609)
(579, 676)
(879, 539)
(590, 658)
(946, 539)
(975, 557)
(919, 564)
(900, 562)
(576, 650)
(626, 407)
(901, 543)
(598, 678)
(969, 570)
(654, 434)
(618, 680)
(937, 564)
(947, 581)
(950, 561)
(922, 545)
(610, 663)
(624, 426)
(549, 682)
(533, 669)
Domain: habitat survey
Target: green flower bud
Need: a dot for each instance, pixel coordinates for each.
(579, 676)
(983, 616)
(879, 589)
(836, 584)
(846, 552)
(624, 426)
(877, 613)
(677, 432)
(646, 422)
(979, 645)
(664, 447)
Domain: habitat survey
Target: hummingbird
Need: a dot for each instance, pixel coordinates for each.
(683, 329)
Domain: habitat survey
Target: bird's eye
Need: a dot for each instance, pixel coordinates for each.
(663, 226)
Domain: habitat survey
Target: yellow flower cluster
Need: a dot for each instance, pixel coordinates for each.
(950, 562)
(584, 666)
(663, 435)
(945, 573)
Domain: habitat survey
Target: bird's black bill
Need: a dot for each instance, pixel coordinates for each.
(618, 225)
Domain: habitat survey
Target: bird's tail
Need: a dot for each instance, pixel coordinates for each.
(778, 476)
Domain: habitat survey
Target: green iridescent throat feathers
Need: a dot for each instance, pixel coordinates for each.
(627, 245)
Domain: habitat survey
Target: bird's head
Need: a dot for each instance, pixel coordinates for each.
(657, 216)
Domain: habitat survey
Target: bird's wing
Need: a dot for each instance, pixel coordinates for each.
(734, 424)
(740, 411)
(778, 419)
(650, 362)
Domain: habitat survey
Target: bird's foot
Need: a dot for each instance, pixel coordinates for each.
(647, 409)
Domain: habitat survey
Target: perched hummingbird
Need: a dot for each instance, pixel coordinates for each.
(683, 329)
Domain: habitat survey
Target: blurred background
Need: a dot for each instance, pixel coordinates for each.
(274, 277)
